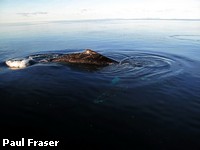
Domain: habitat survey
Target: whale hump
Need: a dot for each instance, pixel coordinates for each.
(88, 57)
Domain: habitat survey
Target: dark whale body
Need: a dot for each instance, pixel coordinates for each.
(88, 60)
(88, 57)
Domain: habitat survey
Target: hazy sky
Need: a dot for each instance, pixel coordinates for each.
(42, 10)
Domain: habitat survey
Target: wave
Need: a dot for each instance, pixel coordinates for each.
(19, 63)
(195, 38)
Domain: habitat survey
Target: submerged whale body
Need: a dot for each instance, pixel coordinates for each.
(88, 57)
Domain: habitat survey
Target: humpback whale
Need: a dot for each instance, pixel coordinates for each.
(88, 57)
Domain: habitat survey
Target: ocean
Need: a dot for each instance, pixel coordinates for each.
(150, 100)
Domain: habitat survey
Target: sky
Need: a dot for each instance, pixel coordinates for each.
(50, 10)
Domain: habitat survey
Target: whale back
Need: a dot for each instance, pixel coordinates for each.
(87, 57)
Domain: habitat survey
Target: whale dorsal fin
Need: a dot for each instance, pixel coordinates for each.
(90, 52)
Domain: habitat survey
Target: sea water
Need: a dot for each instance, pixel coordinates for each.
(151, 99)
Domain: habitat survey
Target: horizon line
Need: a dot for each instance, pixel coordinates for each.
(103, 19)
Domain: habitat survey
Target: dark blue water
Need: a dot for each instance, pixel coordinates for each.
(150, 100)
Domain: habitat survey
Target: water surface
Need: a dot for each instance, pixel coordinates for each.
(150, 99)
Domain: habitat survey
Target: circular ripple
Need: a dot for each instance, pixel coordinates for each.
(144, 67)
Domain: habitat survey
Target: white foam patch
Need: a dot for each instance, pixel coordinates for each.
(18, 63)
